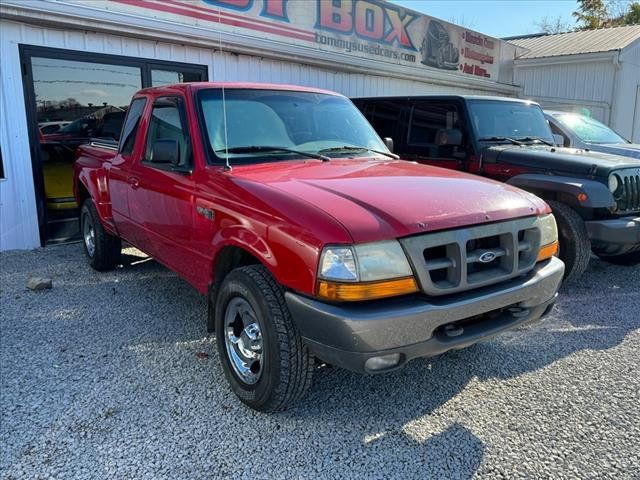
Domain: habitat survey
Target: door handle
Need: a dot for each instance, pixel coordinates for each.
(134, 182)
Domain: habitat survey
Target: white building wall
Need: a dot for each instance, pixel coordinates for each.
(570, 85)
(626, 104)
(18, 218)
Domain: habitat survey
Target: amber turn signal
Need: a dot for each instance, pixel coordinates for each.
(354, 292)
(548, 251)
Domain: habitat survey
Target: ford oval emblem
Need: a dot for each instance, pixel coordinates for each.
(487, 257)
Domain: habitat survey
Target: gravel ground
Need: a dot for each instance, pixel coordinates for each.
(113, 375)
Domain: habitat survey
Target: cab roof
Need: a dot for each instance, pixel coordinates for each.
(463, 98)
(194, 86)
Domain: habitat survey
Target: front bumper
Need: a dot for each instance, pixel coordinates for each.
(347, 335)
(614, 236)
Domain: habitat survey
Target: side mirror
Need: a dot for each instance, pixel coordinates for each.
(388, 141)
(448, 137)
(165, 150)
(558, 140)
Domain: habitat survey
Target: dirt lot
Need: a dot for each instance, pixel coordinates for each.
(114, 376)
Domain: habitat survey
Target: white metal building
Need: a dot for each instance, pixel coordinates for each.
(598, 70)
(69, 66)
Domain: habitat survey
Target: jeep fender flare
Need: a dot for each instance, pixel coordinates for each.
(576, 192)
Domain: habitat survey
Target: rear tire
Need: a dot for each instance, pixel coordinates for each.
(626, 259)
(575, 246)
(264, 359)
(101, 248)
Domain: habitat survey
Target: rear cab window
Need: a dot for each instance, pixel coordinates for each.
(131, 124)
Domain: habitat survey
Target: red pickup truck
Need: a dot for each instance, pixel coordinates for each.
(310, 239)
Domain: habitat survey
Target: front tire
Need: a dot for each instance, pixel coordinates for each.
(575, 246)
(102, 249)
(264, 359)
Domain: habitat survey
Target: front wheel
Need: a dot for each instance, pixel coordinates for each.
(263, 356)
(575, 246)
(626, 259)
(102, 249)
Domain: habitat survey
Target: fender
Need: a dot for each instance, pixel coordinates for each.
(95, 183)
(597, 194)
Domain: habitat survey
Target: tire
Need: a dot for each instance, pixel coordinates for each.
(101, 248)
(575, 246)
(626, 259)
(249, 296)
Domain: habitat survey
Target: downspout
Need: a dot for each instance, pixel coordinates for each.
(616, 73)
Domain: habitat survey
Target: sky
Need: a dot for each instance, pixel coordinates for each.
(497, 18)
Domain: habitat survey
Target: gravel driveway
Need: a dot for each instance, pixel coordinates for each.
(113, 376)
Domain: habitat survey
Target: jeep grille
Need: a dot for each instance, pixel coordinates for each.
(628, 197)
(457, 260)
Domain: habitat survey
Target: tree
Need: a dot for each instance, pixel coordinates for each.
(551, 25)
(632, 17)
(592, 14)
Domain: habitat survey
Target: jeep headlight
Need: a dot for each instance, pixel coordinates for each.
(614, 183)
(364, 272)
(548, 237)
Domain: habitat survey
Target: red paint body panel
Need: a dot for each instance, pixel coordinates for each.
(283, 213)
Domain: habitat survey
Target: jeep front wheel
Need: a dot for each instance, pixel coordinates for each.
(575, 246)
(263, 356)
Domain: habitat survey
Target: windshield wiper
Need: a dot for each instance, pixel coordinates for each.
(500, 139)
(533, 139)
(267, 149)
(355, 148)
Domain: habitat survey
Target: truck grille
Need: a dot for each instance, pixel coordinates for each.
(458, 260)
(629, 198)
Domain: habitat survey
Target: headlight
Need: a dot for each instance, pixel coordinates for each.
(365, 272)
(548, 237)
(614, 183)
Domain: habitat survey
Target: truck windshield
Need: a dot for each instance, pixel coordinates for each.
(273, 125)
(498, 119)
(588, 130)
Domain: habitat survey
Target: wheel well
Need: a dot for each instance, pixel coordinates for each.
(230, 258)
(227, 260)
(83, 193)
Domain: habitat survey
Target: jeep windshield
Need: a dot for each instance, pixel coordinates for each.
(256, 126)
(509, 122)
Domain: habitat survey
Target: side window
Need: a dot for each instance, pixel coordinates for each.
(168, 122)
(428, 128)
(131, 125)
(385, 118)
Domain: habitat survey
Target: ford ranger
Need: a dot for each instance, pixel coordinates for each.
(309, 238)
(595, 197)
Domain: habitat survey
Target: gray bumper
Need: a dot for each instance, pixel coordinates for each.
(347, 335)
(614, 236)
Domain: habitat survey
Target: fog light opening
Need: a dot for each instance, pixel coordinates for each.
(384, 362)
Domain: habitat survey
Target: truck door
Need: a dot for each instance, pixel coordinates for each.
(429, 136)
(161, 194)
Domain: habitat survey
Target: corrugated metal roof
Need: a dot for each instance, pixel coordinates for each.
(574, 43)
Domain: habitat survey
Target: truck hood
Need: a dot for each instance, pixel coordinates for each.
(625, 149)
(559, 160)
(377, 200)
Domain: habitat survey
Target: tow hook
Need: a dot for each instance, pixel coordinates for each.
(452, 330)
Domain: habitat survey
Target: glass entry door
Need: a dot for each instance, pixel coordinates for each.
(72, 98)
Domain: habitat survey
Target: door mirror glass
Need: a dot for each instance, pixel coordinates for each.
(448, 137)
(388, 141)
(165, 151)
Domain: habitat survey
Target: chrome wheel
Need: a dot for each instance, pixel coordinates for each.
(89, 235)
(243, 340)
